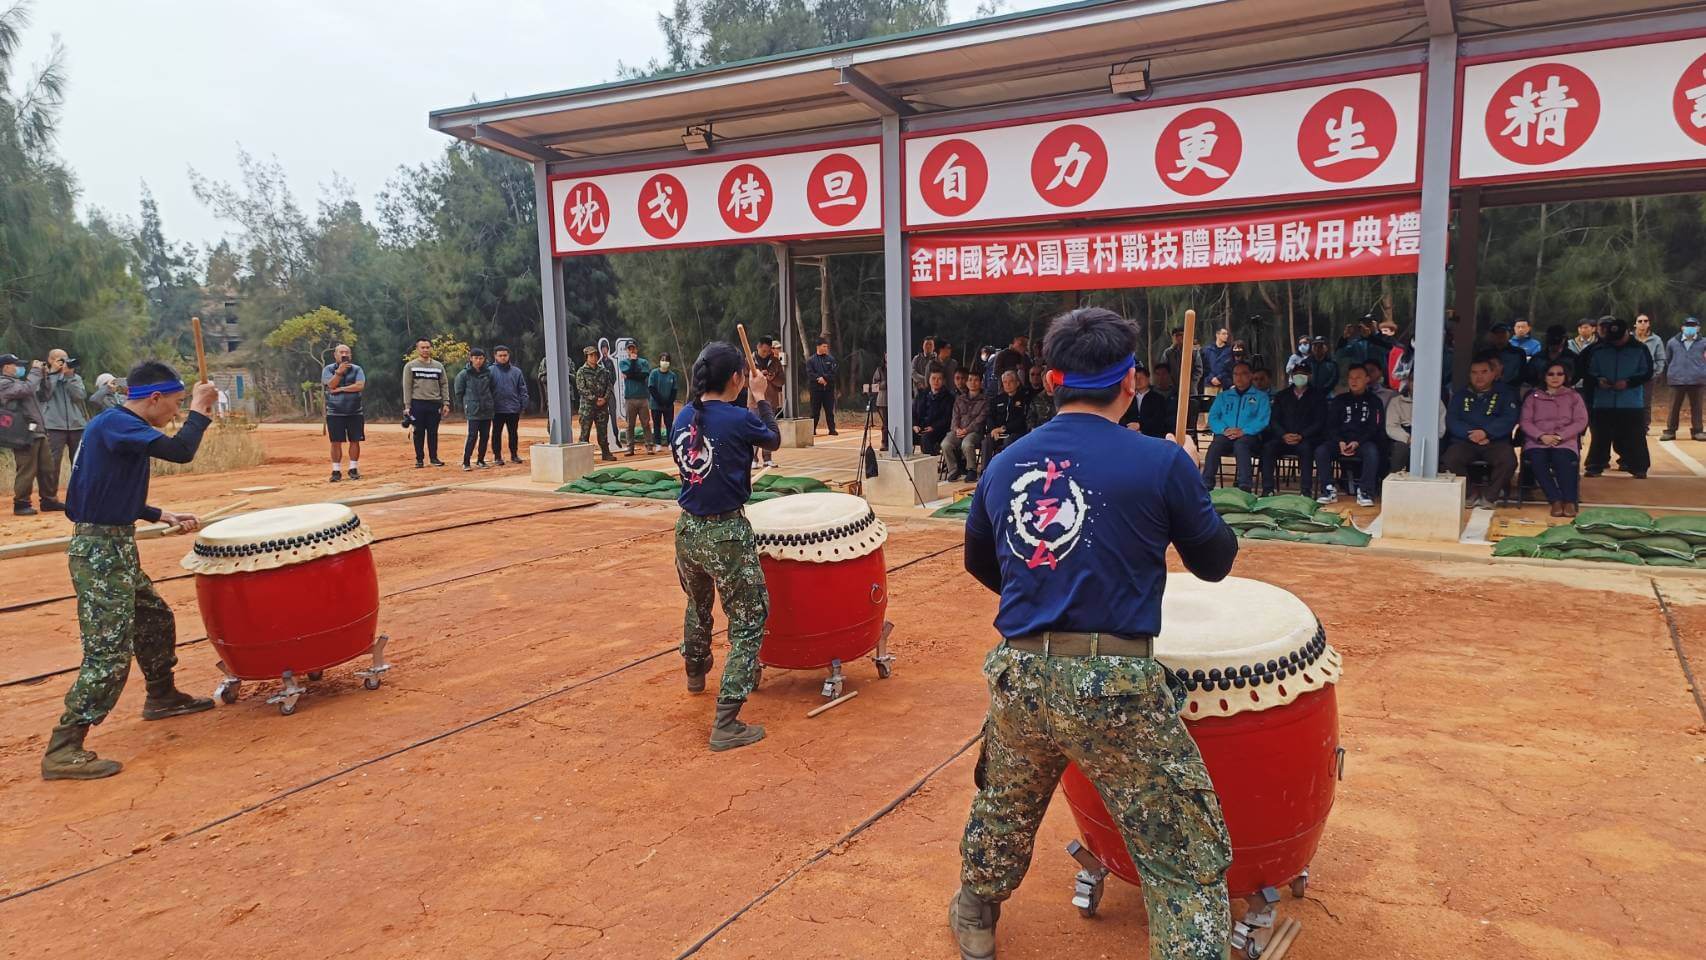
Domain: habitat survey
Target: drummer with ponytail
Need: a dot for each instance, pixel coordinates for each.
(713, 440)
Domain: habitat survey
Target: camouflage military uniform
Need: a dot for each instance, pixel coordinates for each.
(592, 383)
(722, 554)
(1117, 719)
(1038, 410)
(120, 615)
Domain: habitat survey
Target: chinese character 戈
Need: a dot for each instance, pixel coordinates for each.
(1345, 141)
(1069, 167)
(662, 205)
(838, 185)
(952, 178)
(587, 214)
(745, 197)
(1542, 111)
(1196, 145)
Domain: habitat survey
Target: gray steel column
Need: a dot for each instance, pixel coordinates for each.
(897, 294)
(785, 311)
(1438, 137)
(551, 301)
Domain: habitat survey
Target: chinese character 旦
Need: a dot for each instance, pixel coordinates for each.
(1698, 96)
(1048, 258)
(1164, 252)
(1294, 242)
(746, 197)
(1023, 262)
(1228, 246)
(1330, 240)
(1078, 255)
(948, 259)
(838, 190)
(1345, 140)
(1264, 246)
(662, 205)
(923, 266)
(1134, 252)
(1106, 255)
(971, 263)
(952, 178)
(1197, 248)
(1404, 234)
(1540, 112)
(587, 214)
(995, 261)
(1069, 167)
(1196, 145)
(1366, 236)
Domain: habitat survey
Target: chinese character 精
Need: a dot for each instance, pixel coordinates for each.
(1196, 144)
(1542, 110)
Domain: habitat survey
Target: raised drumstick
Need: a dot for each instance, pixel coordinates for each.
(200, 352)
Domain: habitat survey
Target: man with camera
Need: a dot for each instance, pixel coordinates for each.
(344, 380)
(24, 433)
(63, 414)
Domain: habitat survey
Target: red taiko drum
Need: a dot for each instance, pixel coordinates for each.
(1259, 678)
(286, 593)
(822, 555)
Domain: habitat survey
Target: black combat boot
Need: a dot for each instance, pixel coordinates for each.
(972, 920)
(67, 760)
(166, 700)
(696, 674)
(729, 732)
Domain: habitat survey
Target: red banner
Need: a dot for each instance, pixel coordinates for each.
(1342, 240)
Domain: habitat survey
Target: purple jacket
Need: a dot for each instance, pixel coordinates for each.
(1562, 413)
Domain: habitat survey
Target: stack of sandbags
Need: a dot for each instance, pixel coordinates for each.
(1617, 535)
(956, 510)
(657, 485)
(1290, 517)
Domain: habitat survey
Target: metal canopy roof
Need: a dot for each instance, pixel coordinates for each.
(1020, 57)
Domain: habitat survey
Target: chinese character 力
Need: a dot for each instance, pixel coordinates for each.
(662, 205)
(838, 184)
(745, 197)
(1542, 110)
(952, 178)
(587, 214)
(1070, 167)
(1345, 141)
(1196, 144)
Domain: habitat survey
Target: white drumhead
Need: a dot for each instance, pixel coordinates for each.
(1241, 645)
(816, 527)
(279, 537)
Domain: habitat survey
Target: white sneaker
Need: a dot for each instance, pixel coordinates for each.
(1364, 500)
(1329, 495)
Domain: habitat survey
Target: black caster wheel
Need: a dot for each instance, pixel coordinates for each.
(287, 708)
(883, 670)
(315, 675)
(371, 683)
(228, 695)
(1252, 949)
(1299, 885)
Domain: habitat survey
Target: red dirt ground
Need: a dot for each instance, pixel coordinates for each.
(1525, 772)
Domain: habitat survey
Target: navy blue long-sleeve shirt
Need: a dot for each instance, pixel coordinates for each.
(109, 478)
(1494, 411)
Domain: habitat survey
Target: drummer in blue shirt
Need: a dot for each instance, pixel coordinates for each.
(1070, 525)
(715, 551)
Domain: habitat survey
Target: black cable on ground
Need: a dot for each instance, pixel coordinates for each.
(864, 825)
(1681, 654)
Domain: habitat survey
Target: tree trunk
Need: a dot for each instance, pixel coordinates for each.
(1539, 263)
(823, 296)
(1290, 320)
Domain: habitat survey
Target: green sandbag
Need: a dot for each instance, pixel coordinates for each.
(1608, 520)
(1344, 536)
(1673, 547)
(1272, 533)
(1293, 505)
(575, 487)
(1547, 553)
(1566, 537)
(1667, 562)
(1232, 500)
(798, 485)
(645, 476)
(764, 482)
(1692, 529)
(1244, 521)
(606, 474)
(1603, 556)
(1518, 547)
(663, 495)
(959, 508)
(1325, 521)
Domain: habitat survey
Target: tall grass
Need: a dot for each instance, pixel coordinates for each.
(230, 444)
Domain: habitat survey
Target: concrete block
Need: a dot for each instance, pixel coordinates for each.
(796, 433)
(1413, 508)
(893, 487)
(560, 463)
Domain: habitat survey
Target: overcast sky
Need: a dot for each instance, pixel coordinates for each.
(326, 86)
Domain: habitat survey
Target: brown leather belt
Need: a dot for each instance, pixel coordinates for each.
(1058, 644)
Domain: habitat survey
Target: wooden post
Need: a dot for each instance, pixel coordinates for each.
(200, 352)
(1184, 376)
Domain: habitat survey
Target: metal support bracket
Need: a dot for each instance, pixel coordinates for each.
(833, 685)
(871, 94)
(884, 660)
(374, 675)
(226, 692)
(1088, 884)
(287, 697)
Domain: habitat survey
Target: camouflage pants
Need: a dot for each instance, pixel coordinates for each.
(1116, 718)
(590, 417)
(120, 615)
(722, 556)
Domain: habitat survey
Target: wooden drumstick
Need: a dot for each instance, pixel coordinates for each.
(1184, 380)
(200, 352)
(838, 701)
(746, 345)
(214, 514)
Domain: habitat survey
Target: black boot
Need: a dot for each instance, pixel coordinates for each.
(67, 760)
(696, 674)
(729, 732)
(972, 920)
(166, 700)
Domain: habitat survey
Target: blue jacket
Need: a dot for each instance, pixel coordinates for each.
(1248, 411)
(1514, 362)
(509, 388)
(661, 387)
(1494, 412)
(1528, 345)
(1217, 362)
(634, 375)
(1685, 363)
(1631, 362)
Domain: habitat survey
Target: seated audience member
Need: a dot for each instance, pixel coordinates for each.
(932, 414)
(1513, 359)
(959, 453)
(1553, 421)
(1151, 412)
(1237, 419)
(958, 388)
(1377, 382)
(1262, 379)
(1298, 422)
(1353, 431)
(1006, 421)
(1478, 426)
(1039, 403)
(1400, 418)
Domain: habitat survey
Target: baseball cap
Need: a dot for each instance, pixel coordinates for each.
(591, 350)
(6, 358)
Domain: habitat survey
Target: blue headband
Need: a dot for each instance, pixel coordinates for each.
(1098, 380)
(150, 389)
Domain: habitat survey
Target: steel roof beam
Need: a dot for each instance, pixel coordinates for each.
(491, 134)
(871, 94)
(1442, 19)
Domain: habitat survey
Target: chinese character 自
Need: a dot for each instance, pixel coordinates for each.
(745, 197)
(1196, 144)
(1366, 236)
(1542, 110)
(952, 178)
(1345, 141)
(1294, 242)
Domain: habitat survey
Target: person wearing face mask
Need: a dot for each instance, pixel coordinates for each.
(661, 389)
(1655, 345)
(1400, 417)
(1299, 419)
(1685, 371)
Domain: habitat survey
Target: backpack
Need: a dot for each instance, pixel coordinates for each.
(17, 430)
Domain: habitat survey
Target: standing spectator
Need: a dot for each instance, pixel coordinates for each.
(1396, 351)
(1523, 339)
(945, 358)
(109, 393)
(1478, 427)
(1006, 418)
(474, 389)
(921, 362)
(971, 411)
(1553, 420)
(1401, 418)
(1217, 363)
(932, 414)
(1377, 382)
(1237, 419)
(544, 375)
(958, 387)
(1513, 361)
(1685, 369)
(1174, 355)
(1039, 406)
(979, 369)
(662, 388)
(1586, 338)
(1656, 346)
(344, 381)
(19, 391)
(769, 384)
(1295, 427)
(1619, 367)
(878, 388)
(1151, 411)
(1298, 357)
(426, 389)
(1161, 378)
(1353, 347)
(64, 415)
(1353, 429)
(820, 374)
(1556, 347)
(1016, 357)
(635, 371)
(509, 395)
(592, 382)
(1323, 369)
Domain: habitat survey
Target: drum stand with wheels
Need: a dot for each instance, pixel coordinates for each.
(836, 682)
(1261, 933)
(286, 698)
